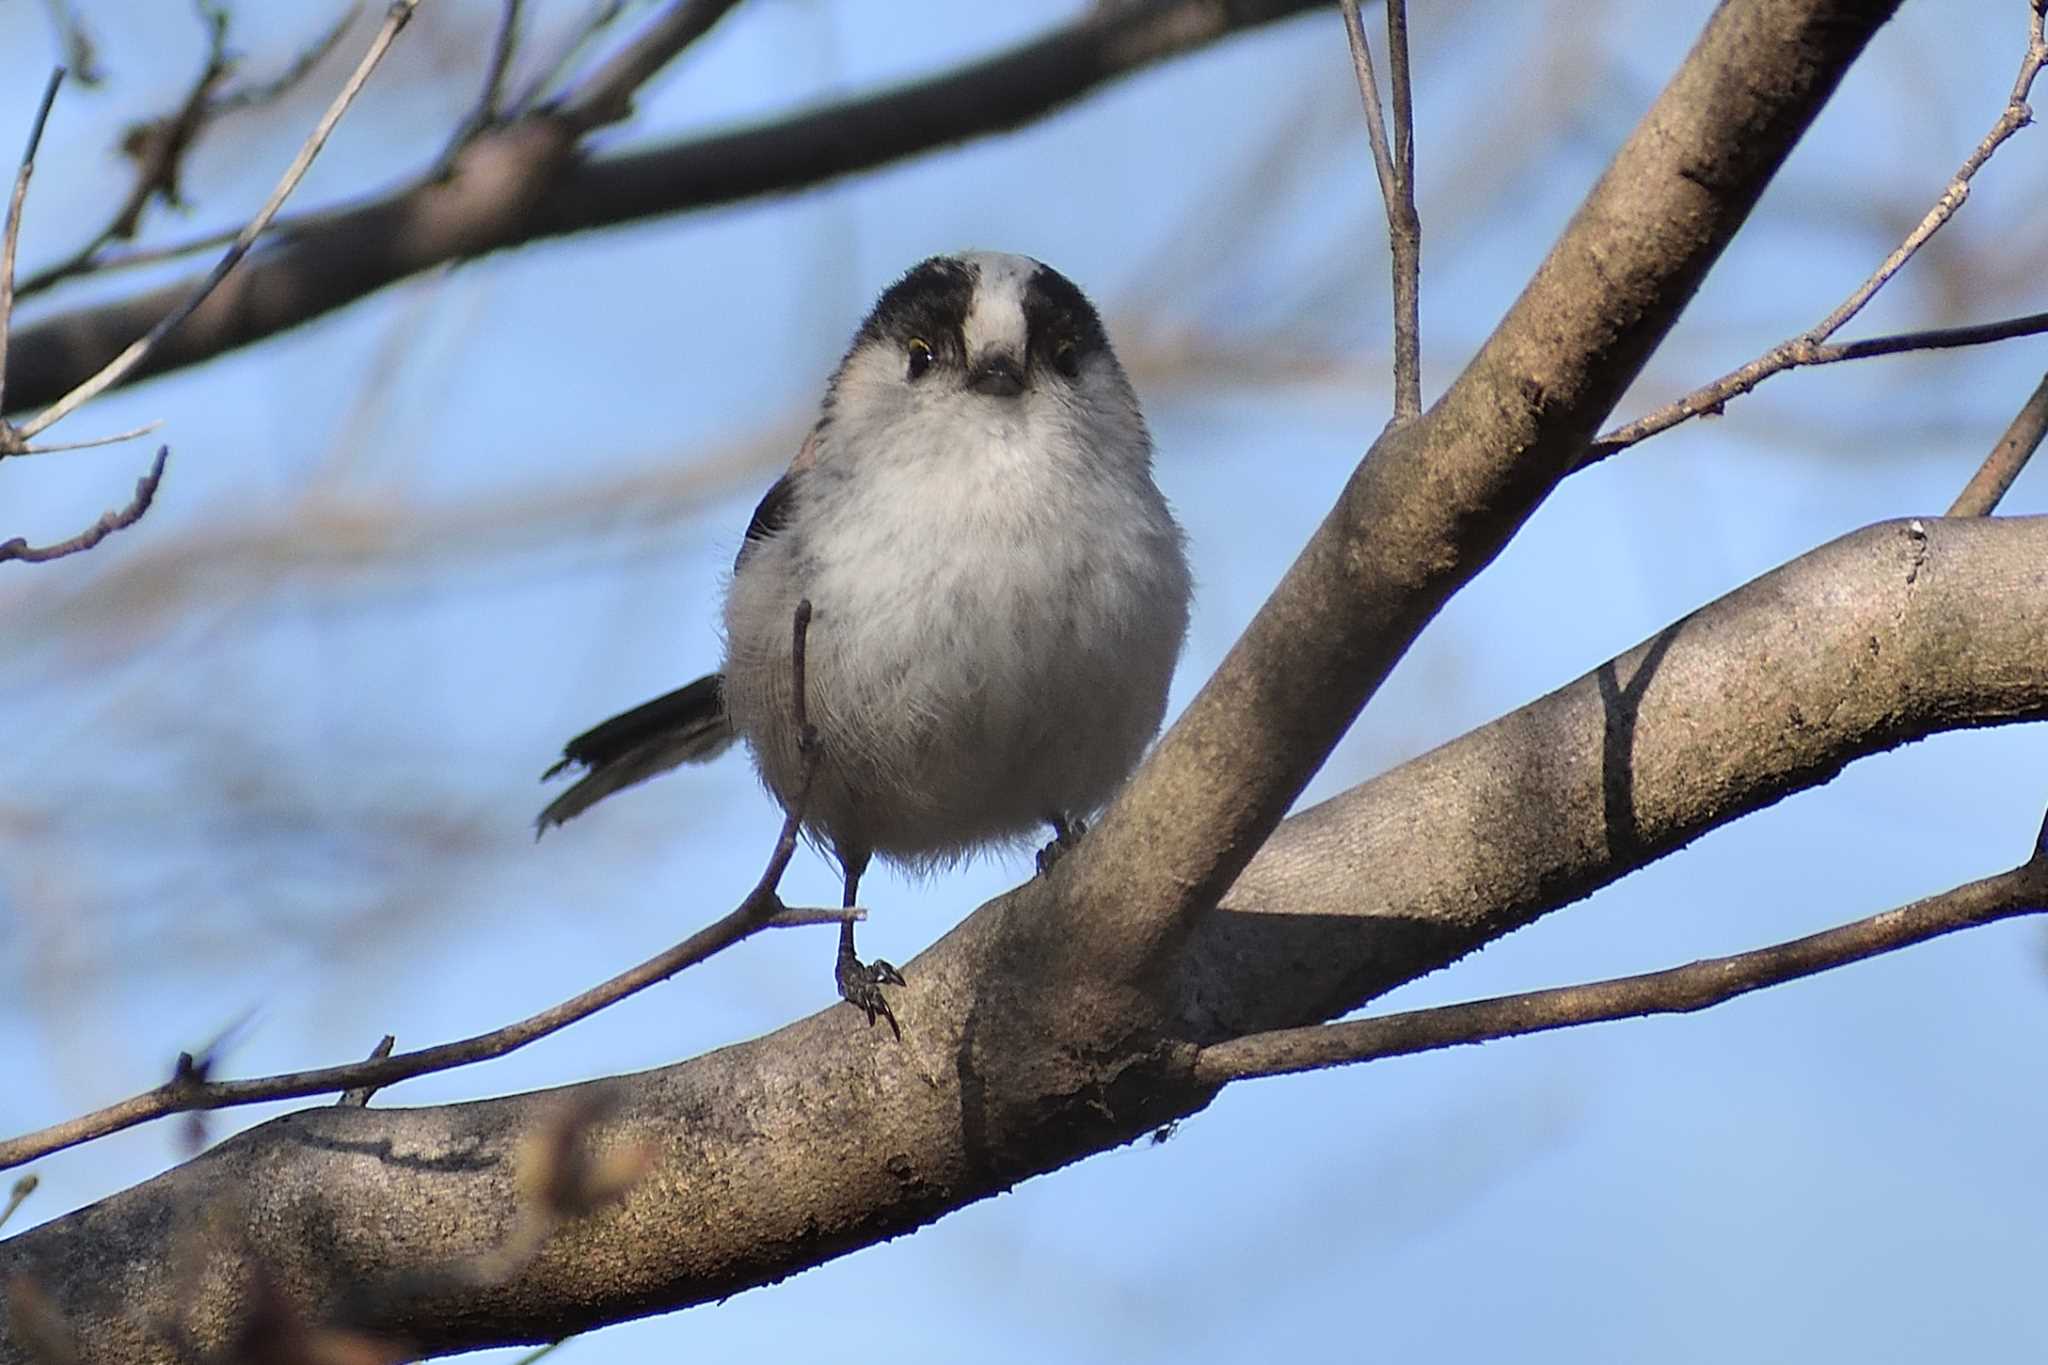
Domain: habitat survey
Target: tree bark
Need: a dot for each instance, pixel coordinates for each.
(779, 1153)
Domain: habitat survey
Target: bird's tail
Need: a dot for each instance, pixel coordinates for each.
(689, 725)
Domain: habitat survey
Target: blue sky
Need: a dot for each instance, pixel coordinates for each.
(276, 746)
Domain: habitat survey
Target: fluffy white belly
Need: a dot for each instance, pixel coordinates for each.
(975, 668)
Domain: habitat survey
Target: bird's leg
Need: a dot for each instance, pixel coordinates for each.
(1066, 832)
(860, 983)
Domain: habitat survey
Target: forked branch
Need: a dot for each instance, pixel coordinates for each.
(1809, 347)
(188, 1091)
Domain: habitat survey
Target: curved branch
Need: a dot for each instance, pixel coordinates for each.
(521, 183)
(785, 1151)
(1675, 990)
(1437, 498)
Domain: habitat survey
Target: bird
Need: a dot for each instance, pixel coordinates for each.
(997, 589)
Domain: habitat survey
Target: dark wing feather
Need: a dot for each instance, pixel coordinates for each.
(688, 725)
(770, 516)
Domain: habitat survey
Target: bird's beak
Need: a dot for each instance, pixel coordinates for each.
(997, 374)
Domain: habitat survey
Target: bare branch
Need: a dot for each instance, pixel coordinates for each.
(1435, 499)
(596, 18)
(358, 1096)
(503, 44)
(109, 522)
(1980, 497)
(190, 1090)
(12, 239)
(158, 146)
(1395, 167)
(53, 447)
(396, 16)
(485, 112)
(607, 97)
(1404, 225)
(23, 1187)
(994, 1085)
(80, 55)
(1807, 348)
(535, 191)
(1676, 990)
(257, 94)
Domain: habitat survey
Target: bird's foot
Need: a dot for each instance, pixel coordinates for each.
(1065, 834)
(860, 985)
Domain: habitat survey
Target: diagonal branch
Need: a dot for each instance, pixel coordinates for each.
(1980, 497)
(109, 522)
(533, 190)
(138, 352)
(769, 1154)
(1807, 348)
(190, 1091)
(1676, 990)
(607, 97)
(12, 238)
(1770, 691)
(159, 147)
(1436, 499)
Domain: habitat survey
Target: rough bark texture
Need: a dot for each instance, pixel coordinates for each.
(781, 1152)
(1064, 1017)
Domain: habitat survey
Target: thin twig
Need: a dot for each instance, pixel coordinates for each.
(160, 146)
(1678, 990)
(1395, 166)
(595, 20)
(1404, 225)
(109, 522)
(12, 239)
(79, 53)
(53, 447)
(105, 262)
(358, 1097)
(1807, 348)
(121, 365)
(607, 96)
(17, 1196)
(257, 94)
(503, 44)
(484, 114)
(1980, 496)
(1369, 92)
(189, 1092)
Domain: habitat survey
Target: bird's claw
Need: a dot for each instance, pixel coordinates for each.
(860, 985)
(1065, 834)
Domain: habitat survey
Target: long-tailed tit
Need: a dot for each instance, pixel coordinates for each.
(998, 592)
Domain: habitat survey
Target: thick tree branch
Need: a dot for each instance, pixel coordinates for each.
(1676, 990)
(521, 182)
(1436, 499)
(785, 1151)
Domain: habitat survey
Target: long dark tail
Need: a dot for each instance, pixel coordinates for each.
(689, 725)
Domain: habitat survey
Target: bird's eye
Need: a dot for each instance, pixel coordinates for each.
(920, 356)
(1066, 358)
